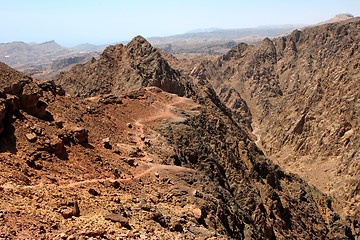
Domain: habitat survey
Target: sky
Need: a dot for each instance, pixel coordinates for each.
(73, 22)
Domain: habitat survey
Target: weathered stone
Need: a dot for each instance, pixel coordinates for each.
(145, 206)
(76, 209)
(31, 137)
(12, 103)
(196, 193)
(72, 237)
(16, 86)
(57, 145)
(125, 222)
(106, 143)
(80, 135)
(110, 99)
(197, 213)
(69, 212)
(160, 218)
(59, 123)
(60, 91)
(115, 184)
(30, 100)
(176, 226)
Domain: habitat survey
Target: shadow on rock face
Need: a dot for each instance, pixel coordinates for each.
(7, 138)
(63, 155)
(87, 145)
(47, 117)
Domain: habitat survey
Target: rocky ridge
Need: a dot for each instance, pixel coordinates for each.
(121, 69)
(302, 92)
(138, 149)
(242, 115)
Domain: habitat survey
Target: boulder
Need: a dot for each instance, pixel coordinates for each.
(80, 135)
(31, 137)
(106, 143)
(57, 145)
(70, 211)
(15, 87)
(12, 103)
(30, 100)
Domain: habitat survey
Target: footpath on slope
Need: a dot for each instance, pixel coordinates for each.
(172, 111)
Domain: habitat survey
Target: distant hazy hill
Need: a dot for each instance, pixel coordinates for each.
(41, 60)
(215, 40)
(34, 58)
(337, 18)
(233, 34)
(210, 40)
(18, 54)
(218, 40)
(88, 47)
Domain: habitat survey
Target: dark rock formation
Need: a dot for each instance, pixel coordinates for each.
(121, 69)
(302, 91)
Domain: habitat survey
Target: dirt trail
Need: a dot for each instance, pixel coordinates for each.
(152, 168)
(167, 112)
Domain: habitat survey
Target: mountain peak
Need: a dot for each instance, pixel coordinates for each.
(122, 69)
(139, 46)
(138, 38)
(138, 41)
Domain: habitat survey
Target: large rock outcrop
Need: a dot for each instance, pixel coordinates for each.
(18, 91)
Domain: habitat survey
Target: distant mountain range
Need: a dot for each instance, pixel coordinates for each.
(16, 54)
(219, 40)
(37, 59)
(210, 40)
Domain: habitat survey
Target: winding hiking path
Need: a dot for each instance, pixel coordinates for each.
(168, 112)
(152, 168)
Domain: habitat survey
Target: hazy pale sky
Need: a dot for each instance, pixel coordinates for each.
(72, 22)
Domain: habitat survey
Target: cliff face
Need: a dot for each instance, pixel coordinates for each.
(303, 94)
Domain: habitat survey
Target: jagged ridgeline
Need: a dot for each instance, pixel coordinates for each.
(303, 94)
(139, 149)
(123, 68)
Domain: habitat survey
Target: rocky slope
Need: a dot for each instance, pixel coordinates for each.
(147, 163)
(121, 69)
(303, 94)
